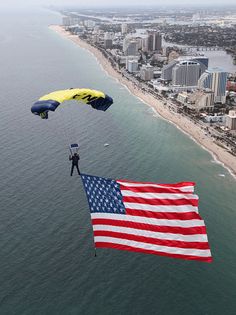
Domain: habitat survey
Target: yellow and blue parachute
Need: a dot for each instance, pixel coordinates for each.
(51, 101)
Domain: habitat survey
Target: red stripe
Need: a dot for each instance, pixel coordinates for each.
(151, 227)
(151, 240)
(162, 202)
(151, 189)
(146, 251)
(180, 184)
(164, 215)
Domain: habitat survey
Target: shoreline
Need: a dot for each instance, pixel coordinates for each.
(219, 154)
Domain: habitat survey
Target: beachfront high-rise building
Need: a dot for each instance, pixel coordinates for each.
(107, 43)
(126, 41)
(89, 23)
(154, 41)
(70, 21)
(108, 40)
(128, 58)
(145, 44)
(124, 28)
(166, 73)
(131, 48)
(214, 79)
(147, 72)
(96, 29)
(139, 41)
(231, 120)
(186, 73)
(132, 66)
(66, 21)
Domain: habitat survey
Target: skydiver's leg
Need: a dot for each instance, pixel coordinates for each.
(78, 169)
(72, 168)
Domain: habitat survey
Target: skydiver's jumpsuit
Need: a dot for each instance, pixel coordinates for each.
(75, 160)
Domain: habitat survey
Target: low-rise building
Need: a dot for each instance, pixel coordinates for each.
(182, 97)
(215, 118)
(202, 99)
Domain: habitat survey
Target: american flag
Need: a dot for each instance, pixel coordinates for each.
(160, 219)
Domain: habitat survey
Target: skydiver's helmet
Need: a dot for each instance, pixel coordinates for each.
(44, 115)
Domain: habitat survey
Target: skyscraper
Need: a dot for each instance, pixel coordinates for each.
(166, 73)
(154, 41)
(186, 73)
(146, 73)
(131, 48)
(124, 28)
(214, 79)
(132, 66)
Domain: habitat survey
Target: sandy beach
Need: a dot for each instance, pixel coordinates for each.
(186, 125)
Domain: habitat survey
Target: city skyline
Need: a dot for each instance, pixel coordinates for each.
(116, 3)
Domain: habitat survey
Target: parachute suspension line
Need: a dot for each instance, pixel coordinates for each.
(61, 122)
(67, 122)
(72, 124)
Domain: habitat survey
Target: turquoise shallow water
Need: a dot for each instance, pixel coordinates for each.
(47, 263)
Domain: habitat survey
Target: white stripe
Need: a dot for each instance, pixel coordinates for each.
(159, 248)
(129, 193)
(182, 188)
(141, 206)
(157, 235)
(146, 220)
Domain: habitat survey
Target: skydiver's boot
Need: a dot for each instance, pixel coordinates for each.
(78, 169)
(72, 168)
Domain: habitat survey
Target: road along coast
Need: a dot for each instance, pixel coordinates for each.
(184, 123)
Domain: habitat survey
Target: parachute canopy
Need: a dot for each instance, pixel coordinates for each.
(51, 101)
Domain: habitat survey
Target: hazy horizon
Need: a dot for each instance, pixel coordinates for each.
(116, 3)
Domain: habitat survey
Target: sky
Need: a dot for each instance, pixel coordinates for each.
(117, 3)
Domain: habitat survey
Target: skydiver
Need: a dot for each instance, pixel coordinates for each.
(75, 160)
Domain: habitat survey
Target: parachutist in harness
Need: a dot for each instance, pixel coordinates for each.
(75, 161)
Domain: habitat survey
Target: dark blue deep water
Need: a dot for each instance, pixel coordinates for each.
(47, 263)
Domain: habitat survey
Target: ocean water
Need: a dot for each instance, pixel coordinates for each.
(47, 263)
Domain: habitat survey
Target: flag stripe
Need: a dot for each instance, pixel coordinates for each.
(164, 195)
(138, 184)
(137, 206)
(154, 252)
(157, 189)
(167, 249)
(151, 240)
(150, 227)
(152, 221)
(163, 236)
(161, 202)
(164, 215)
